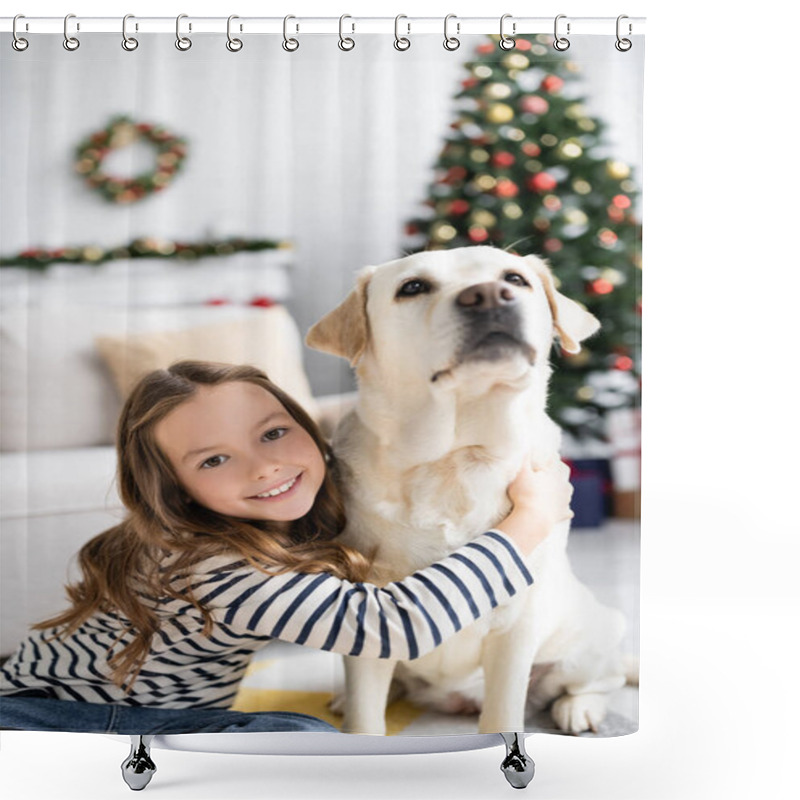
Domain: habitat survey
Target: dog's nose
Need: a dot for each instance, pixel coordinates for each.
(486, 296)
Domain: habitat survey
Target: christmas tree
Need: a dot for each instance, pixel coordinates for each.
(519, 171)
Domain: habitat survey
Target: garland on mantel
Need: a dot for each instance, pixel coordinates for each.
(140, 248)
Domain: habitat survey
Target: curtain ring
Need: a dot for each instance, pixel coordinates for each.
(70, 42)
(623, 45)
(451, 42)
(128, 42)
(183, 43)
(506, 42)
(289, 45)
(234, 45)
(560, 42)
(346, 43)
(18, 43)
(401, 43)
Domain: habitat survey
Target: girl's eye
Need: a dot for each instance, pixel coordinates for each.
(515, 278)
(214, 461)
(275, 433)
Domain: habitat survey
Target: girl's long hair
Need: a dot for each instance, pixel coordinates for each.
(126, 563)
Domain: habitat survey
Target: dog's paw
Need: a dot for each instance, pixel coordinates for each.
(576, 713)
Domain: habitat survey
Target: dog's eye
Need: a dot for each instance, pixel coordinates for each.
(413, 287)
(515, 278)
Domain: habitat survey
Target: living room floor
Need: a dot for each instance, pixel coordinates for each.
(294, 678)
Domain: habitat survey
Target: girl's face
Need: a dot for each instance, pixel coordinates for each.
(237, 451)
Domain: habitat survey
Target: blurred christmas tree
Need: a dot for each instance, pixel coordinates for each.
(521, 171)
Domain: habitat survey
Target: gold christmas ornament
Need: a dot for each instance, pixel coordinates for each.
(497, 91)
(442, 232)
(484, 219)
(479, 155)
(499, 113)
(549, 140)
(485, 182)
(482, 71)
(570, 148)
(618, 170)
(516, 61)
(575, 216)
(512, 210)
(581, 186)
(585, 393)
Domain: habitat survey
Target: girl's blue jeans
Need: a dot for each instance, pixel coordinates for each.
(35, 711)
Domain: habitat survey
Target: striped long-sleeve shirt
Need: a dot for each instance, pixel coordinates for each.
(185, 669)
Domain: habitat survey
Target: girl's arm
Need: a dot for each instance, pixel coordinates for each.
(408, 618)
(403, 620)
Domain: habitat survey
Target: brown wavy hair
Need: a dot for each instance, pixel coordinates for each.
(164, 526)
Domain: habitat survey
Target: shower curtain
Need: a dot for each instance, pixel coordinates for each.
(212, 196)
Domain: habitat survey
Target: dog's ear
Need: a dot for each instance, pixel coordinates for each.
(572, 321)
(345, 330)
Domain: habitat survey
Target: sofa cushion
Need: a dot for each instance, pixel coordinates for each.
(56, 391)
(267, 339)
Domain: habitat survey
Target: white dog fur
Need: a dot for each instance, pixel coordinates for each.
(443, 422)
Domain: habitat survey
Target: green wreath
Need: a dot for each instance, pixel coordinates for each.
(122, 131)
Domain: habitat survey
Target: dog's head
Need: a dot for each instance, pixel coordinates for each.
(448, 315)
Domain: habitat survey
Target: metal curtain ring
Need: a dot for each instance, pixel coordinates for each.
(18, 43)
(234, 45)
(346, 43)
(560, 42)
(183, 43)
(128, 42)
(451, 42)
(290, 45)
(401, 43)
(506, 42)
(623, 45)
(70, 42)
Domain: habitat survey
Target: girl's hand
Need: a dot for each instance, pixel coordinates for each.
(540, 501)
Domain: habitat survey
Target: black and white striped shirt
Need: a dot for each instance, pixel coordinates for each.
(184, 669)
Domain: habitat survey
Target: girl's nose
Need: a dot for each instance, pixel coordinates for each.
(263, 468)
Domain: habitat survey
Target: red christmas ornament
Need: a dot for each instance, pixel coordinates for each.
(533, 104)
(506, 188)
(411, 229)
(459, 207)
(601, 286)
(477, 234)
(469, 83)
(615, 214)
(622, 201)
(542, 182)
(553, 245)
(503, 159)
(531, 149)
(217, 301)
(623, 363)
(485, 49)
(552, 84)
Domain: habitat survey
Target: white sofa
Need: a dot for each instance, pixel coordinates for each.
(71, 339)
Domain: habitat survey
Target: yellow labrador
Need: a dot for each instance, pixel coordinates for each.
(451, 352)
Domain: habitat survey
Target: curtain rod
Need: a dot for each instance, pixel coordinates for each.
(349, 25)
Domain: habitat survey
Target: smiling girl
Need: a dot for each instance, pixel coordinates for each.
(229, 542)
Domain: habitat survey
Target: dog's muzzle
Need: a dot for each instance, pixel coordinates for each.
(492, 324)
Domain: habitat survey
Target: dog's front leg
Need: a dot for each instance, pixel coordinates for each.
(367, 682)
(506, 659)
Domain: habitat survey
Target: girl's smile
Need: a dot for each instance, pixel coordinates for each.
(236, 450)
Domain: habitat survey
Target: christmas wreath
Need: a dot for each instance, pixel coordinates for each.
(122, 131)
